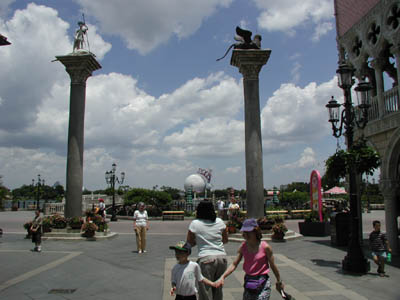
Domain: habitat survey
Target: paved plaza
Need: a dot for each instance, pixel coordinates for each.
(112, 269)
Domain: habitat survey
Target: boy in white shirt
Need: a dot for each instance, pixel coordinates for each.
(185, 274)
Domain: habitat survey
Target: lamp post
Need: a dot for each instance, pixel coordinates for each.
(39, 183)
(111, 178)
(354, 261)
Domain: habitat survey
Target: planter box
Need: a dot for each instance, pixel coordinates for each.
(314, 228)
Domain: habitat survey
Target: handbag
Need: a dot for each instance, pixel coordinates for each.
(254, 284)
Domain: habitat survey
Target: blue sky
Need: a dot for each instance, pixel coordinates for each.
(161, 106)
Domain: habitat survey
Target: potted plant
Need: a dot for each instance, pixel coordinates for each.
(265, 223)
(312, 226)
(58, 221)
(230, 227)
(279, 230)
(101, 224)
(89, 229)
(102, 227)
(46, 224)
(75, 222)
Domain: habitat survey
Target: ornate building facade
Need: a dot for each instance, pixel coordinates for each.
(368, 38)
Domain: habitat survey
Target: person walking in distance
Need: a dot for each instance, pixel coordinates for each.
(141, 225)
(379, 247)
(36, 229)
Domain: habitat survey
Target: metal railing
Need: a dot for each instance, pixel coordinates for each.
(373, 111)
(391, 104)
(391, 100)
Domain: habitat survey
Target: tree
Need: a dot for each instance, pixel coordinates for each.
(361, 157)
(159, 199)
(173, 192)
(295, 199)
(4, 192)
(298, 186)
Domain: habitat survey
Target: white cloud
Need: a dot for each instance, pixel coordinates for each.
(96, 43)
(307, 160)
(130, 19)
(39, 29)
(287, 15)
(209, 137)
(296, 115)
(243, 24)
(233, 170)
(321, 30)
(295, 72)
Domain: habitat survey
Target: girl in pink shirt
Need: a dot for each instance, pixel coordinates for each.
(258, 260)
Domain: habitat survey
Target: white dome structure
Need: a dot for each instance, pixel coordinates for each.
(196, 182)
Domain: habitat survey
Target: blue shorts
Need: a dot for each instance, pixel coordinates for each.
(378, 253)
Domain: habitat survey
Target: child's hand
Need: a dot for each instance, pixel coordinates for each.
(172, 291)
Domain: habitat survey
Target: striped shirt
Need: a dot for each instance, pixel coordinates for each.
(377, 241)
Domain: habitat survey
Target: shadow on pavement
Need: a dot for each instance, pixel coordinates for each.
(326, 263)
(367, 252)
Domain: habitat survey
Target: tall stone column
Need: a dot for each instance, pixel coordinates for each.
(377, 64)
(79, 67)
(250, 63)
(388, 188)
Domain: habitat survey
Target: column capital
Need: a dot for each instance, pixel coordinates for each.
(395, 50)
(378, 63)
(250, 61)
(79, 67)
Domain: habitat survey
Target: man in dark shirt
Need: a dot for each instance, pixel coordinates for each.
(379, 246)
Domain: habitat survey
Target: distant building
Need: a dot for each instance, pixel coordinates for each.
(368, 38)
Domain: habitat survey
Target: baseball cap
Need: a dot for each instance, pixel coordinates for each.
(182, 246)
(249, 225)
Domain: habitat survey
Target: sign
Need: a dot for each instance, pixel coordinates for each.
(315, 193)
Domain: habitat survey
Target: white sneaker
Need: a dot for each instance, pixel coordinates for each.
(144, 251)
(140, 251)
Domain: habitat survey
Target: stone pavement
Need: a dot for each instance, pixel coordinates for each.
(111, 269)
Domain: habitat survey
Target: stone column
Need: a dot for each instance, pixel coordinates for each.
(377, 64)
(250, 63)
(388, 188)
(80, 68)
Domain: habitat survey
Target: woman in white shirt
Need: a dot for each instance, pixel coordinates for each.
(141, 225)
(209, 234)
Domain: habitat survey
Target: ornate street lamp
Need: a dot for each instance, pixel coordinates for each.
(39, 183)
(111, 178)
(351, 117)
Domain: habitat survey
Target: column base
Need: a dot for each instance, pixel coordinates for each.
(358, 265)
(114, 218)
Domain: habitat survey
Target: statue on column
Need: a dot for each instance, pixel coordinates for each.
(80, 36)
(245, 42)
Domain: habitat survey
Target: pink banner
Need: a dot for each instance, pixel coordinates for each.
(315, 193)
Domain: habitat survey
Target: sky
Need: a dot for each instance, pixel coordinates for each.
(161, 106)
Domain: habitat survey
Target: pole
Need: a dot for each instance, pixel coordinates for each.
(37, 195)
(354, 260)
(113, 216)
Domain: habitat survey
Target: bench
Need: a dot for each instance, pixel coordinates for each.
(173, 215)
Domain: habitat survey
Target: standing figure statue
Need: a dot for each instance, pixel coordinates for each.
(80, 36)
